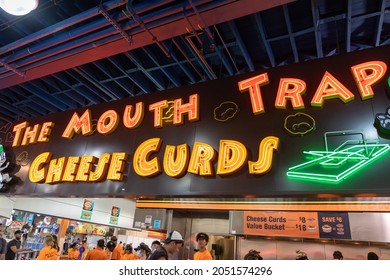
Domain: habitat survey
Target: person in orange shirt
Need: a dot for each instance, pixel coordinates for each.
(203, 253)
(97, 253)
(112, 252)
(48, 252)
(129, 255)
(73, 252)
(118, 247)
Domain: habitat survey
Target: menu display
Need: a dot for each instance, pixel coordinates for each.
(334, 225)
(295, 224)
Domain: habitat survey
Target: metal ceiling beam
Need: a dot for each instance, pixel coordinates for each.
(200, 58)
(143, 85)
(186, 57)
(290, 33)
(139, 65)
(181, 64)
(103, 68)
(260, 28)
(225, 12)
(44, 96)
(174, 80)
(379, 26)
(89, 77)
(62, 78)
(348, 29)
(241, 45)
(59, 26)
(211, 38)
(317, 28)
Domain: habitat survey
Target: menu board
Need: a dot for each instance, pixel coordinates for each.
(334, 225)
(294, 224)
(297, 224)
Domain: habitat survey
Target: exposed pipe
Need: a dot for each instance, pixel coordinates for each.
(113, 45)
(59, 26)
(156, 18)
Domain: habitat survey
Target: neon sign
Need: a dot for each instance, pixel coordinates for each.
(176, 161)
(336, 165)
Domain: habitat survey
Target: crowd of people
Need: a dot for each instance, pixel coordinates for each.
(114, 250)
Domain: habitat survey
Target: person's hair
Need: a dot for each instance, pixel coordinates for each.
(372, 256)
(337, 255)
(114, 238)
(156, 242)
(129, 248)
(253, 255)
(158, 254)
(49, 240)
(100, 243)
(73, 245)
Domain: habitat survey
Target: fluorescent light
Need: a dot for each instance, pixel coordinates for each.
(18, 7)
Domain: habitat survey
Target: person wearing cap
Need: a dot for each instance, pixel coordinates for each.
(49, 252)
(172, 245)
(112, 252)
(202, 254)
(97, 253)
(14, 245)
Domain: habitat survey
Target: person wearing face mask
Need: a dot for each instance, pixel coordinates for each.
(143, 251)
(14, 245)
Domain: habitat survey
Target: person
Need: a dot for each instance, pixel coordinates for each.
(65, 247)
(159, 255)
(172, 245)
(155, 245)
(55, 243)
(111, 252)
(129, 255)
(118, 250)
(301, 255)
(253, 255)
(143, 251)
(83, 249)
(14, 245)
(73, 253)
(49, 252)
(97, 253)
(337, 255)
(3, 244)
(202, 254)
(372, 256)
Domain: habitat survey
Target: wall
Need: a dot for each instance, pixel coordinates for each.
(285, 250)
(6, 206)
(70, 208)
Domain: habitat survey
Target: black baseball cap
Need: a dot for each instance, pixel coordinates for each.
(18, 232)
(202, 235)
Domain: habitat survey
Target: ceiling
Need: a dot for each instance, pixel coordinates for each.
(72, 54)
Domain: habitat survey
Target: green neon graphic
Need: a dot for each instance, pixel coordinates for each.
(388, 81)
(335, 166)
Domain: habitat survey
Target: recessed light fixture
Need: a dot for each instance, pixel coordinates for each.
(18, 7)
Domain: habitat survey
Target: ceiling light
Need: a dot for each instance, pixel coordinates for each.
(18, 7)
